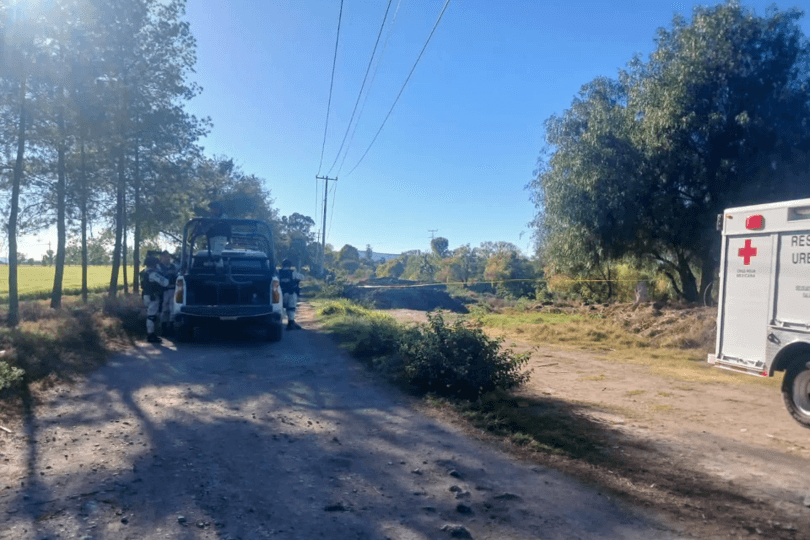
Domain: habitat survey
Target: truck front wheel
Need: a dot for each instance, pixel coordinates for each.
(796, 391)
(184, 332)
(274, 332)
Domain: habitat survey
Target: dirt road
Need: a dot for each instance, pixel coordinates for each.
(720, 453)
(236, 438)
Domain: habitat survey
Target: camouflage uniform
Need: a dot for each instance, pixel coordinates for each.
(153, 284)
(289, 280)
(169, 271)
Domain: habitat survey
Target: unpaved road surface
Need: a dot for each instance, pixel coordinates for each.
(239, 439)
(721, 453)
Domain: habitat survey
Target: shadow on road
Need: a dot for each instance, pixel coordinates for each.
(235, 438)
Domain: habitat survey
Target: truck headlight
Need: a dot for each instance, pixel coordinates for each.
(276, 291)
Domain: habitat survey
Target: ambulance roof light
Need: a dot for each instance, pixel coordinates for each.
(754, 222)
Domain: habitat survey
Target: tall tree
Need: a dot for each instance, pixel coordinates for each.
(640, 166)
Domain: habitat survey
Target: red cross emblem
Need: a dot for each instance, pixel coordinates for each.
(747, 252)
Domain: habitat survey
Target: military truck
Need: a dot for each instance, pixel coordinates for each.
(234, 281)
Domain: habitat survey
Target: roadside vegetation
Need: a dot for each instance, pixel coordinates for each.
(52, 346)
(447, 359)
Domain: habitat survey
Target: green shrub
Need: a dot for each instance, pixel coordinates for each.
(342, 307)
(332, 289)
(378, 336)
(451, 360)
(458, 360)
(9, 375)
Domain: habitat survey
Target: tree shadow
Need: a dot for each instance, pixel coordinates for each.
(246, 440)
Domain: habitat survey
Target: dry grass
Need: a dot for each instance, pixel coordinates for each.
(58, 344)
(670, 340)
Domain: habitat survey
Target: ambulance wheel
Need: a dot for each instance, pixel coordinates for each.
(796, 392)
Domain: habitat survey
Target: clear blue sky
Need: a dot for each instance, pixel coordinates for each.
(464, 138)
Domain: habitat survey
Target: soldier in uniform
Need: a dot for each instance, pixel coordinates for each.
(169, 271)
(152, 285)
(289, 279)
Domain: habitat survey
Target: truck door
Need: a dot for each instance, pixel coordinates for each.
(747, 287)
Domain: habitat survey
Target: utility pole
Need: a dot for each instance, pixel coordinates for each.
(326, 180)
(432, 231)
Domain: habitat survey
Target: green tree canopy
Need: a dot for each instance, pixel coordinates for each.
(640, 166)
(440, 247)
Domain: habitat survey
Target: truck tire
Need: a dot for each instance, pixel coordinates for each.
(274, 332)
(184, 332)
(796, 391)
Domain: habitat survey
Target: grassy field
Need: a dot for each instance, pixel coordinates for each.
(612, 342)
(36, 281)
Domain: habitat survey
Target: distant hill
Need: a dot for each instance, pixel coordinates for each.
(3, 260)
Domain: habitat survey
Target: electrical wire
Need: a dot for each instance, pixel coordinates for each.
(371, 84)
(331, 85)
(444, 8)
(362, 86)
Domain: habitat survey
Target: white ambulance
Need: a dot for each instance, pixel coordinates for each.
(763, 320)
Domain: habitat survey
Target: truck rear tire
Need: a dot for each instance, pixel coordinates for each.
(796, 391)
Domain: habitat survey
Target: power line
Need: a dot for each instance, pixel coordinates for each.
(362, 86)
(444, 8)
(331, 85)
(371, 84)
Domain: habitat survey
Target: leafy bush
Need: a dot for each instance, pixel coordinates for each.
(332, 289)
(458, 360)
(9, 375)
(451, 360)
(342, 307)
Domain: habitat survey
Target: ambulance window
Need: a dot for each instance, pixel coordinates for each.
(799, 213)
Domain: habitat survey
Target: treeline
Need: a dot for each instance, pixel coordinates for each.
(501, 263)
(94, 135)
(636, 171)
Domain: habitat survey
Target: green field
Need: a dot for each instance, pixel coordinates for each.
(38, 280)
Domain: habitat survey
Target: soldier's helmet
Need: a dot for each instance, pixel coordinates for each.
(286, 263)
(150, 261)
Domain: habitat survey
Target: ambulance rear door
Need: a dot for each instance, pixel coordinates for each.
(746, 298)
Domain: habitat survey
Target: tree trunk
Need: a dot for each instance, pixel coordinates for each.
(136, 237)
(689, 287)
(119, 224)
(56, 293)
(13, 298)
(708, 269)
(83, 203)
(124, 254)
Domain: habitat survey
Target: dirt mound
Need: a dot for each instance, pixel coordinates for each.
(667, 325)
(399, 294)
